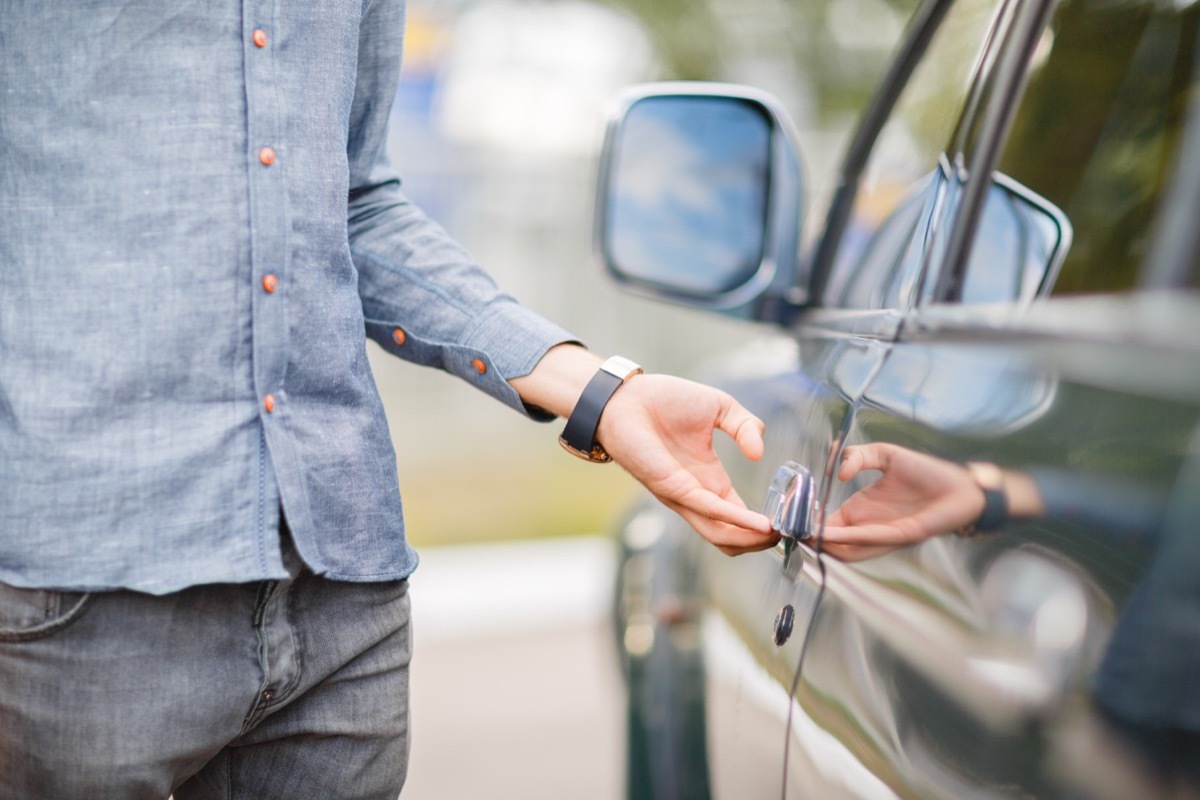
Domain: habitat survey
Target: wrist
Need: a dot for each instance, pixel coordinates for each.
(579, 435)
(558, 379)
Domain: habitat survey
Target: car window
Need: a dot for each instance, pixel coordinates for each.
(1094, 142)
(903, 186)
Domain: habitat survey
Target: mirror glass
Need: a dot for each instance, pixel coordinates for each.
(688, 193)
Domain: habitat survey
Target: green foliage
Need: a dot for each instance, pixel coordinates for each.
(701, 39)
(1098, 129)
(683, 31)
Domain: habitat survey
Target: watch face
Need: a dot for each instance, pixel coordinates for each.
(988, 476)
(621, 367)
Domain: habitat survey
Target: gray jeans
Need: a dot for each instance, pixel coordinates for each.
(293, 688)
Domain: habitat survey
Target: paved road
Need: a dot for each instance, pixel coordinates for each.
(516, 689)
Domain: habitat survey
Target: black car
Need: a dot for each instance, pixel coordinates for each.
(1007, 273)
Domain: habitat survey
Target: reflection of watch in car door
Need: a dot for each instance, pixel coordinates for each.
(990, 480)
(579, 436)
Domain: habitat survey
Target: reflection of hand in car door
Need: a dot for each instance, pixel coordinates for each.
(918, 496)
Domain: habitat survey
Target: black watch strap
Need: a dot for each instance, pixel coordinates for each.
(579, 435)
(990, 479)
(995, 510)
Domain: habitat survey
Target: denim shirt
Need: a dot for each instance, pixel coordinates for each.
(197, 224)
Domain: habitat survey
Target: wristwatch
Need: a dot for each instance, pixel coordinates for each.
(579, 436)
(990, 479)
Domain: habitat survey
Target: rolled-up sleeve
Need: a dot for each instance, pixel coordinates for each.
(424, 298)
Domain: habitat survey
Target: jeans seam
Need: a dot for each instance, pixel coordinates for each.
(257, 707)
(297, 647)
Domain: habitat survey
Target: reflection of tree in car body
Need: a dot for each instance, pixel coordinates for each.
(1148, 682)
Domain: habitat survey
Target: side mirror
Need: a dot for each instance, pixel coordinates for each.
(700, 198)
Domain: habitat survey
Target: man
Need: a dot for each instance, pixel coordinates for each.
(202, 555)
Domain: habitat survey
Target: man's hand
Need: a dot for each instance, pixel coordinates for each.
(660, 429)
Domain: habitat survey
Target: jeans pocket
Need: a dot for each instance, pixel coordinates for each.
(27, 614)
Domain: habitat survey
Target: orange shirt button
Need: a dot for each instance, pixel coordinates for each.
(266, 156)
(260, 38)
(479, 366)
(270, 283)
(399, 336)
(269, 403)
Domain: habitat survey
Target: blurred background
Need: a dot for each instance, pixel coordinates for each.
(497, 129)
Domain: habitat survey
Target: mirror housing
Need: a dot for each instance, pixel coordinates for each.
(699, 199)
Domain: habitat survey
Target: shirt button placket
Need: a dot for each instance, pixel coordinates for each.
(267, 157)
(265, 143)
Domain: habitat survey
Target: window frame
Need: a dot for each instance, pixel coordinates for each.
(987, 72)
(1012, 70)
(924, 24)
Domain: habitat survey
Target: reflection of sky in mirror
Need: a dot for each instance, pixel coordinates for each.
(1016, 243)
(690, 192)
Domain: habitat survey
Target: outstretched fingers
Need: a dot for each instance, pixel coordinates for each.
(727, 507)
(732, 534)
(723, 519)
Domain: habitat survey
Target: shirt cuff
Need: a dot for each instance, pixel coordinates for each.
(506, 342)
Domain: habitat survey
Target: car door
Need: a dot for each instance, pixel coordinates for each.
(807, 394)
(1054, 656)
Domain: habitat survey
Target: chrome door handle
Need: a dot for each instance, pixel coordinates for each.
(791, 502)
